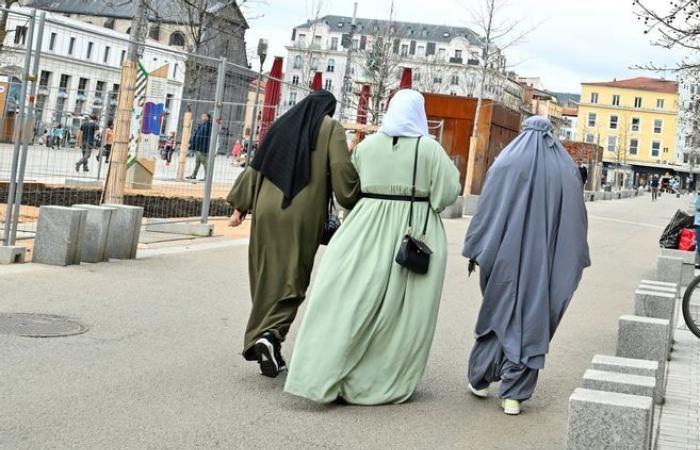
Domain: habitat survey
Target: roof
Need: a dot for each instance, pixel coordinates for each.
(641, 84)
(158, 10)
(564, 98)
(405, 30)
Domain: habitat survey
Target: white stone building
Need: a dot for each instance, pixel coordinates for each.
(80, 67)
(688, 124)
(444, 59)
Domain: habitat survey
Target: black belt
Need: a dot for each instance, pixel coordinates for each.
(400, 198)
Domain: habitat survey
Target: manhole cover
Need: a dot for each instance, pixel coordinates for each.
(39, 325)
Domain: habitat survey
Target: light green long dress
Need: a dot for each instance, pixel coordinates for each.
(369, 324)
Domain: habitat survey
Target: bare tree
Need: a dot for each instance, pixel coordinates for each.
(381, 64)
(675, 26)
(498, 33)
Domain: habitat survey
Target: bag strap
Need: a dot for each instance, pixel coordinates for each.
(329, 186)
(413, 185)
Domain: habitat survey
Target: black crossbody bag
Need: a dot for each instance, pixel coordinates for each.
(414, 254)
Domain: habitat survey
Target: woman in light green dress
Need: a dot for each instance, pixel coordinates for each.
(370, 322)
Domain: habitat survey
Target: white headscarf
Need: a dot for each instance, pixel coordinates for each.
(406, 115)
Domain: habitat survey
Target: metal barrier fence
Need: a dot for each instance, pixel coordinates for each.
(61, 76)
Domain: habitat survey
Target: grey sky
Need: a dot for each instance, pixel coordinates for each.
(578, 40)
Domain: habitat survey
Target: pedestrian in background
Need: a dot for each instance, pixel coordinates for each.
(370, 321)
(529, 239)
(169, 148)
(654, 184)
(583, 170)
(86, 140)
(199, 144)
(302, 160)
(109, 141)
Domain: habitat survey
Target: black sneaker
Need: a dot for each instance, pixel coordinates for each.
(189, 178)
(268, 352)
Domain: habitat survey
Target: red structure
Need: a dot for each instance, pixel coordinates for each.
(362, 104)
(317, 82)
(406, 79)
(272, 97)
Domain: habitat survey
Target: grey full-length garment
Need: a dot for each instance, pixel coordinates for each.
(529, 238)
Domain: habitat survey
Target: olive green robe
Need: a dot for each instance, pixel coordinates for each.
(283, 242)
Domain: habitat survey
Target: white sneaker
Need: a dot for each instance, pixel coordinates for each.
(481, 393)
(510, 407)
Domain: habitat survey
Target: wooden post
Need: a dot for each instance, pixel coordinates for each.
(184, 144)
(116, 175)
(471, 161)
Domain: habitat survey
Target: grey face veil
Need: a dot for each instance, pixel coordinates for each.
(529, 237)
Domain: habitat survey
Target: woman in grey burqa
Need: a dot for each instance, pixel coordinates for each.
(528, 238)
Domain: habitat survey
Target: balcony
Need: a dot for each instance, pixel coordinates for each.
(454, 60)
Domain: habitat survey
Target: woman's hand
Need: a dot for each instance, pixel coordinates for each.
(236, 218)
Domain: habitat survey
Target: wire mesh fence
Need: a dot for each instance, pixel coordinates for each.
(195, 121)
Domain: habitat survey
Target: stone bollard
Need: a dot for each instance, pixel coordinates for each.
(641, 367)
(93, 241)
(688, 268)
(124, 231)
(623, 383)
(669, 269)
(609, 420)
(659, 286)
(659, 305)
(644, 338)
(12, 254)
(58, 234)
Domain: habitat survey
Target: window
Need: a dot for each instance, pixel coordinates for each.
(295, 80)
(363, 42)
(658, 126)
(616, 100)
(154, 32)
(105, 59)
(655, 149)
(71, 46)
(412, 48)
(20, 35)
(660, 103)
(612, 143)
(52, 41)
(328, 85)
(100, 88)
(177, 39)
(331, 65)
(89, 50)
(420, 51)
(395, 46)
(317, 41)
(430, 49)
(297, 62)
(301, 40)
(636, 123)
(404, 50)
(634, 146)
(441, 53)
(44, 79)
(416, 75)
(123, 57)
(590, 138)
(334, 43)
(454, 81)
(82, 86)
(175, 70)
(458, 54)
(63, 85)
(437, 78)
(292, 98)
(355, 44)
(613, 122)
(638, 102)
(592, 118)
(594, 97)
(314, 64)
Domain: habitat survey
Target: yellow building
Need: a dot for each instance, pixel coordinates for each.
(634, 120)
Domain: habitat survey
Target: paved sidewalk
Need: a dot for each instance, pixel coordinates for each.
(160, 365)
(679, 427)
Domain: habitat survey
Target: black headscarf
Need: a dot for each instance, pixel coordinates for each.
(284, 156)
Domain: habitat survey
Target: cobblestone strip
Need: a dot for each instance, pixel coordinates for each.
(679, 427)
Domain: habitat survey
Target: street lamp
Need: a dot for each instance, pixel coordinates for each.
(262, 54)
